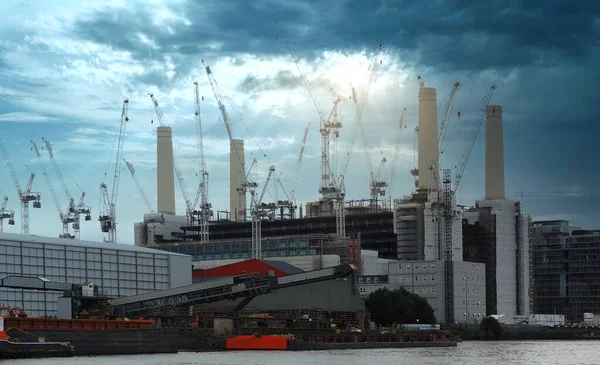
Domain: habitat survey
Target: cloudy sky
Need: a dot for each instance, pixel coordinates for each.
(66, 66)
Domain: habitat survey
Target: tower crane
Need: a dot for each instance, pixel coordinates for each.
(396, 159)
(205, 212)
(378, 184)
(25, 196)
(6, 214)
(139, 186)
(245, 184)
(329, 190)
(292, 202)
(108, 204)
(259, 211)
(465, 158)
(65, 219)
(329, 127)
(76, 209)
(188, 204)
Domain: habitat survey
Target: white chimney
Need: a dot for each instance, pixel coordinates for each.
(494, 154)
(428, 139)
(165, 186)
(237, 172)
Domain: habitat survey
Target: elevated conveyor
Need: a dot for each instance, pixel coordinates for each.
(224, 288)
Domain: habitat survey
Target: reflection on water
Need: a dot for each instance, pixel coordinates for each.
(467, 353)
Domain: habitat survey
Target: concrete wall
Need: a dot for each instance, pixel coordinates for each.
(428, 138)
(494, 153)
(237, 172)
(165, 181)
(506, 254)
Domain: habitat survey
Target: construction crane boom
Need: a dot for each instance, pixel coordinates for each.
(465, 158)
(65, 219)
(25, 196)
(178, 173)
(108, 217)
(139, 186)
(447, 110)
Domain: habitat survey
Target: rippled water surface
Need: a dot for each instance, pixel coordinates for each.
(467, 353)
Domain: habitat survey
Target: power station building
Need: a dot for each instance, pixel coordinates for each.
(494, 233)
(120, 270)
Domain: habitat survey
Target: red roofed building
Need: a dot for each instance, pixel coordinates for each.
(252, 266)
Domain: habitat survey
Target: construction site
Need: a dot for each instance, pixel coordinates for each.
(425, 225)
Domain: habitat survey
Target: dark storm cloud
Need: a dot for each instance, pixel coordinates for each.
(455, 34)
(283, 80)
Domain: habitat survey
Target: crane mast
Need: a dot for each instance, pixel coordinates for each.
(259, 211)
(205, 211)
(139, 186)
(465, 158)
(108, 217)
(329, 190)
(6, 214)
(76, 209)
(65, 219)
(25, 196)
(178, 173)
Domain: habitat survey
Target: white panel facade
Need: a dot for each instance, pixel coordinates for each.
(426, 279)
(119, 270)
(371, 264)
(431, 221)
(506, 255)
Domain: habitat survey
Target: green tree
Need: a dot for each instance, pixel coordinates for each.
(398, 306)
(491, 327)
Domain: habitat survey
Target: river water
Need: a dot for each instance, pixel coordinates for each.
(467, 353)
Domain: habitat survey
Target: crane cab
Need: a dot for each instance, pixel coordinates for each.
(37, 205)
(11, 222)
(88, 217)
